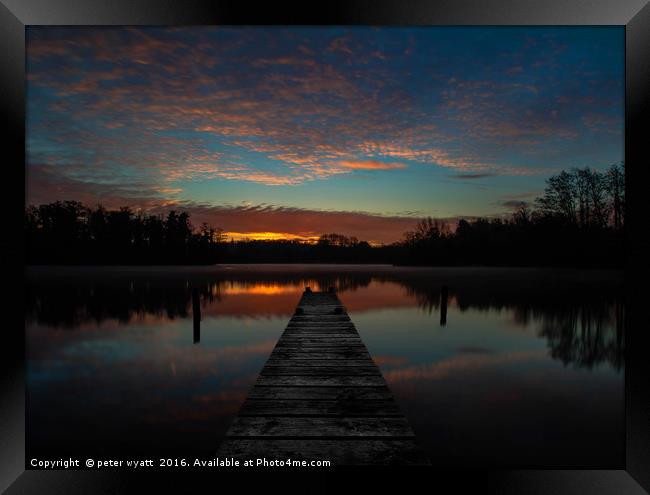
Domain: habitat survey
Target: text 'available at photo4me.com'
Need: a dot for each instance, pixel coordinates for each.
(172, 463)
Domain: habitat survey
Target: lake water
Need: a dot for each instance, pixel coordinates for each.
(526, 371)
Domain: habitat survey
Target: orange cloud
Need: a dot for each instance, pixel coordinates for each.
(370, 165)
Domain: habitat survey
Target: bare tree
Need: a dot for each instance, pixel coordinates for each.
(560, 197)
(615, 185)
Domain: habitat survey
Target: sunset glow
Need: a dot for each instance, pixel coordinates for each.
(269, 236)
(289, 133)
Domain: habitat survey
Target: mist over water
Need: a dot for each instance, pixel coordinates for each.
(525, 369)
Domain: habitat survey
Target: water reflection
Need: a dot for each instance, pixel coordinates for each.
(163, 358)
(582, 322)
(196, 315)
(587, 336)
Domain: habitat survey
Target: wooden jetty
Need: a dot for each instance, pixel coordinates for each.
(320, 396)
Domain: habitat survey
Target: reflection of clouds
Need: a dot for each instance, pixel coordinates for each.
(244, 305)
(261, 288)
(205, 406)
(146, 348)
(151, 373)
(237, 299)
(390, 360)
(138, 384)
(377, 296)
(541, 415)
(208, 360)
(462, 362)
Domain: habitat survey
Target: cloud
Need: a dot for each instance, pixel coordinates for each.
(301, 112)
(155, 108)
(370, 165)
(472, 176)
(519, 200)
(411, 148)
(46, 183)
(304, 223)
(603, 123)
(244, 221)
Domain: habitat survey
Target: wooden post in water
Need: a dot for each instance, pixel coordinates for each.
(444, 295)
(196, 311)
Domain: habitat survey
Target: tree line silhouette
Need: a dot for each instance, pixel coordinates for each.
(579, 221)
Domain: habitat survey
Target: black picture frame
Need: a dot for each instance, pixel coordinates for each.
(15, 15)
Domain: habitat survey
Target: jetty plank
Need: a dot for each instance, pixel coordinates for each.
(366, 394)
(320, 408)
(320, 381)
(320, 396)
(320, 427)
(273, 362)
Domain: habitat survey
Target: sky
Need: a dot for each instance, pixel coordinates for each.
(292, 132)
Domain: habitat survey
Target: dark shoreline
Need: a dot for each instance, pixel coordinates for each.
(537, 284)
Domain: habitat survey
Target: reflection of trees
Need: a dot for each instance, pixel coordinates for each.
(427, 298)
(581, 316)
(587, 336)
(69, 303)
(584, 325)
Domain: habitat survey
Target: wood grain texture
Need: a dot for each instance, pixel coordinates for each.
(320, 427)
(320, 396)
(343, 394)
